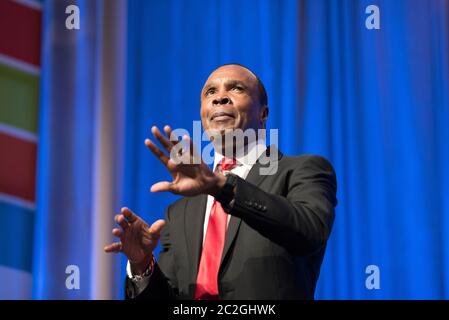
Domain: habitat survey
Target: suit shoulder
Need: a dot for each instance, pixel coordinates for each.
(309, 160)
(177, 204)
(314, 166)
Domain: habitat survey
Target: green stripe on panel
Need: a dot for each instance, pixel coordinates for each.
(19, 98)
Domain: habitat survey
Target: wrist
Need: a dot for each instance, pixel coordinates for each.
(141, 267)
(218, 184)
(226, 193)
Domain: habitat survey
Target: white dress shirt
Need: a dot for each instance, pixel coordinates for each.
(244, 164)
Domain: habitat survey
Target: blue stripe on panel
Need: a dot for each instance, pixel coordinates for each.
(16, 236)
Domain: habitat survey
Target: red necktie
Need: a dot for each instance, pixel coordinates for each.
(207, 279)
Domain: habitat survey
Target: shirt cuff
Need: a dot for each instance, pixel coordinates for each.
(137, 284)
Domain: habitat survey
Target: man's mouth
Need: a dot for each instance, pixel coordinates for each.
(221, 116)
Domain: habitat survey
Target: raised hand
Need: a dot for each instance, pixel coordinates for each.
(137, 239)
(189, 179)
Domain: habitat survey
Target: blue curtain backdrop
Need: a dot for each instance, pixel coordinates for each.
(374, 102)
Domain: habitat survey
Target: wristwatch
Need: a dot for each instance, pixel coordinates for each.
(226, 193)
(148, 272)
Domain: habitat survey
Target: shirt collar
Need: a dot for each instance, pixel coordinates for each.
(254, 150)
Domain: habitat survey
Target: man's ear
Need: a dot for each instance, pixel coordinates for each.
(263, 115)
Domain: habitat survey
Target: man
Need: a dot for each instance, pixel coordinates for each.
(236, 233)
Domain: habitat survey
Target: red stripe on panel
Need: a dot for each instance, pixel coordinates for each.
(20, 31)
(17, 167)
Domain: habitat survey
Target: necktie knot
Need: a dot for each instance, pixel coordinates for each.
(227, 164)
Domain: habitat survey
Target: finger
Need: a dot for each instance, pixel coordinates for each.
(174, 165)
(162, 186)
(129, 215)
(117, 232)
(156, 151)
(194, 154)
(120, 219)
(156, 228)
(176, 153)
(168, 131)
(190, 154)
(113, 247)
(177, 148)
(167, 144)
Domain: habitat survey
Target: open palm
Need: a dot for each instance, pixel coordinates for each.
(137, 239)
(191, 176)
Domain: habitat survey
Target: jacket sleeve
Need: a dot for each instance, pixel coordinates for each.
(163, 282)
(302, 220)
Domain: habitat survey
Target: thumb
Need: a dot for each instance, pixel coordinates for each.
(156, 227)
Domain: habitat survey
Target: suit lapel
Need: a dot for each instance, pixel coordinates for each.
(255, 178)
(194, 222)
(194, 219)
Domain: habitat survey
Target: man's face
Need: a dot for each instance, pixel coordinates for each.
(230, 100)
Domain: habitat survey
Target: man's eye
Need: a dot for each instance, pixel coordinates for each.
(237, 88)
(210, 91)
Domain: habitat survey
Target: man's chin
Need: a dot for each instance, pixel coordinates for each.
(222, 130)
(226, 138)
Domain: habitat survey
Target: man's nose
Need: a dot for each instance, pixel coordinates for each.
(221, 100)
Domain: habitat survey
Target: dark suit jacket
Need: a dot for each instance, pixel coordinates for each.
(275, 239)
